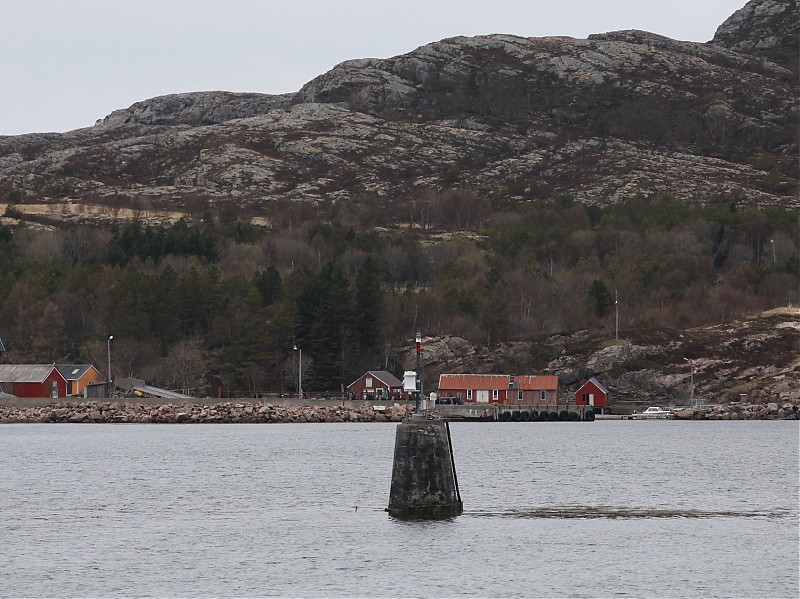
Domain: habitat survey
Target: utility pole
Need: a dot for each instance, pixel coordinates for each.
(299, 373)
(110, 337)
(691, 382)
(419, 371)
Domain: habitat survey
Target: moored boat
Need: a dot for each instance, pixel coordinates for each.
(653, 412)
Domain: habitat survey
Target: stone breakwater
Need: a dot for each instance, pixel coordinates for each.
(736, 411)
(223, 413)
(260, 413)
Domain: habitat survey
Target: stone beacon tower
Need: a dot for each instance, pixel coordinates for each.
(424, 482)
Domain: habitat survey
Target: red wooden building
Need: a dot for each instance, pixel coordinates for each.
(475, 388)
(592, 393)
(33, 380)
(377, 384)
(540, 390)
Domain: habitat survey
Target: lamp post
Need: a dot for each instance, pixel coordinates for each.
(299, 373)
(616, 311)
(691, 381)
(774, 255)
(110, 337)
(418, 341)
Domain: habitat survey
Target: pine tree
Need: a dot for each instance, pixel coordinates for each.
(368, 305)
(332, 328)
(268, 283)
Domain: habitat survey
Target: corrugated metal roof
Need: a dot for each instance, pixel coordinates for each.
(386, 377)
(599, 385)
(150, 390)
(474, 381)
(72, 372)
(537, 382)
(25, 373)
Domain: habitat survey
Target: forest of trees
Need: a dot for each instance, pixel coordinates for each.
(214, 302)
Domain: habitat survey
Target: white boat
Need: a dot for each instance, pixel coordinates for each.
(652, 412)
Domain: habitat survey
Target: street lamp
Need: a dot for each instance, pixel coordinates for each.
(774, 255)
(418, 341)
(616, 311)
(110, 337)
(691, 381)
(299, 373)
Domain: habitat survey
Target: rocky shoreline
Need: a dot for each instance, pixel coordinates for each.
(742, 411)
(223, 413)
(129, 412)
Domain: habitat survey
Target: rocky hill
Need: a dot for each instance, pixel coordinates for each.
(510, 118)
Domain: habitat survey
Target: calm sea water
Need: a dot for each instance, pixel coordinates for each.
(608, 509)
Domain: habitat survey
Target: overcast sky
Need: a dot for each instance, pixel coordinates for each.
(66, 63)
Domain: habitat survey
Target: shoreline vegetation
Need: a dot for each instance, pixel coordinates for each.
(244, 412)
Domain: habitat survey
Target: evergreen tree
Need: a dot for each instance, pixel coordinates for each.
(599, 298)
(331, 328)
(368, 305)
(268, 283)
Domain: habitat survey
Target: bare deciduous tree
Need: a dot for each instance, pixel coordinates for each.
(184, 364)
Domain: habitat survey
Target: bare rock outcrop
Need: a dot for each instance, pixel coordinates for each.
(196, 108)
(765, 28)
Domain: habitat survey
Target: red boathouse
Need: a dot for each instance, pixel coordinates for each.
(592, 393)
(33, 380)
(475, 388)
(377, 384)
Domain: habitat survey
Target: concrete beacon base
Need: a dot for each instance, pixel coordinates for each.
(424, 483)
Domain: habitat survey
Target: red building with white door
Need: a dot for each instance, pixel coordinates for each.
(592, 393)
(475, 388)
(33, 380)
(377, 384)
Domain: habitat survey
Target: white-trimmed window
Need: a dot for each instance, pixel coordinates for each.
(543, 395)
(368, 382)
(495, 394)
(469, 394)
(519, 395)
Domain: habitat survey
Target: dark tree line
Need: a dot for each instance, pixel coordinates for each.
(231, 301)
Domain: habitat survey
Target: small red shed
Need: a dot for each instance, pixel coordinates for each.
(33, 380)
(377, 384)
(592, 393)
(541, 390)
(475, 388)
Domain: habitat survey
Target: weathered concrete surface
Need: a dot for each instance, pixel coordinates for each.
(424, 483)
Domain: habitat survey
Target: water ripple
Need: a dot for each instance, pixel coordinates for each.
(611, 512)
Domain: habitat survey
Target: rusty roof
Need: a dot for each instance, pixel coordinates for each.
(537, 382)
(474, 381)
(25, 373)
